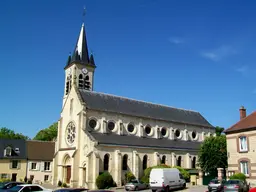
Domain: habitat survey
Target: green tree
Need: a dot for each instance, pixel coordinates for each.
(213, 154)
(219, 130)
(6, 133)
(48, 134)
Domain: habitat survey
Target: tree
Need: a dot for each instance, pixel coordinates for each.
(218, 130)
(213, 154)
(6, 133)
(48, 134)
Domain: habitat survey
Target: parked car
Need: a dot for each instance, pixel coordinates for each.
(29, 188)
(135, 185)
(216, 185)
(8, 185)
(166, 179)
(236, 186)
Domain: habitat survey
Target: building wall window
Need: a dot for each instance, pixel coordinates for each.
(179, 161)
(145, 162)
(125, 163)
(33, 166)
(47, 166)
(71, 106)
(14, 164)
(243, 144)
(4, 176)
(193, 162)
(106, 162)
(163, 160)
(46, 178)
(244, 168)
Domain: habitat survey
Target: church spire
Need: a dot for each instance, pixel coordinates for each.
(80, 53)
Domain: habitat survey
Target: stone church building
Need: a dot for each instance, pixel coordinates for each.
(100, 132)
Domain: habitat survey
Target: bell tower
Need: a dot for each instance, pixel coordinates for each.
(80, 67)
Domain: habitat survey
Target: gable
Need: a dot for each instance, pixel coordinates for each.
(110, 103)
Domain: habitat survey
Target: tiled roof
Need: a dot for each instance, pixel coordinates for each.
(13, 143)
(40, 150)
(244, 124)
(134, 141)
(116, 104)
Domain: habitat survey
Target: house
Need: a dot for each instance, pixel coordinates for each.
(13, 159)
(100, 132)
(241, 148)
(39, 160)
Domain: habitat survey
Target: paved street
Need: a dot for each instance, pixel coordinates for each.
(189, 189)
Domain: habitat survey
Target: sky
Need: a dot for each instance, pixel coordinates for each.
(197, 55)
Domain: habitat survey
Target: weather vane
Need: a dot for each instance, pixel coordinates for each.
(84, 13)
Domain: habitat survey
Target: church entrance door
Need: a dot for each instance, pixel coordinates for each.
(68, 174)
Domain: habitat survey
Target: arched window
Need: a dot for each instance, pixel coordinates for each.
(80, 81)
(106, 162)
(193, 162)
(68, 84)
(163, 160)
(87, 83)
(179, 161)
(125, 164)
(145, 162)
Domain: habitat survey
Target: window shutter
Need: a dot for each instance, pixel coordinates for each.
(19, 164)
(10, 165)
(42, 166)
(50, 167)
(38, 166)
(30, 165)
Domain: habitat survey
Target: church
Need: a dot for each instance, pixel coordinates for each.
(100, 132)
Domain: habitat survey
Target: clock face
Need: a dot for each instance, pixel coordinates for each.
(84, 71)
(70, 133)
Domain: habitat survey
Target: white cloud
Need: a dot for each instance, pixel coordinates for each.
(176, 40)
(219, 53)
(243, 69)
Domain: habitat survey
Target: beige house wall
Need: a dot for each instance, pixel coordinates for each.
(234, 156)
(39, 173)
(5, 168)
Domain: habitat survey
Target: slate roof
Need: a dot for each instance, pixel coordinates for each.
(116, 104)
(13, 143)
(167, 144)
(40, 150)
(246, 124)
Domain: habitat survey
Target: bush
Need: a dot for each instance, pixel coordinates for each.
(4, 180)
(64, 185)
(129, 176)
(239, 176)
(147, 171)
(59, 183)
(105, 181)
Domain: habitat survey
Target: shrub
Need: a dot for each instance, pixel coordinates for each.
(105, 181)
(64, 185)
(59, 183)
(129, 176)
(239, 176)
(4, 180)
(147, 171)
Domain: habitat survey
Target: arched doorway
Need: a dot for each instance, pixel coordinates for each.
(67, 169)
(106, 162)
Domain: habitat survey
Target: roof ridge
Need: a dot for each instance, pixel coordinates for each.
(241, 120)
(122, 97)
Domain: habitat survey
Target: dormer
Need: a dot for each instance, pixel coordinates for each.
(8, 151)
(17, 150)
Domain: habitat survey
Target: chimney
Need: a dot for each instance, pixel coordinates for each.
(242, 112)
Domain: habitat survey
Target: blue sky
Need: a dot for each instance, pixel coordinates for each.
(197, 55)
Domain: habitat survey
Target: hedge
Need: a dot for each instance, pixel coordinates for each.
(239, 176)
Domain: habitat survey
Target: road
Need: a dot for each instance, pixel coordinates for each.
(189, 189)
